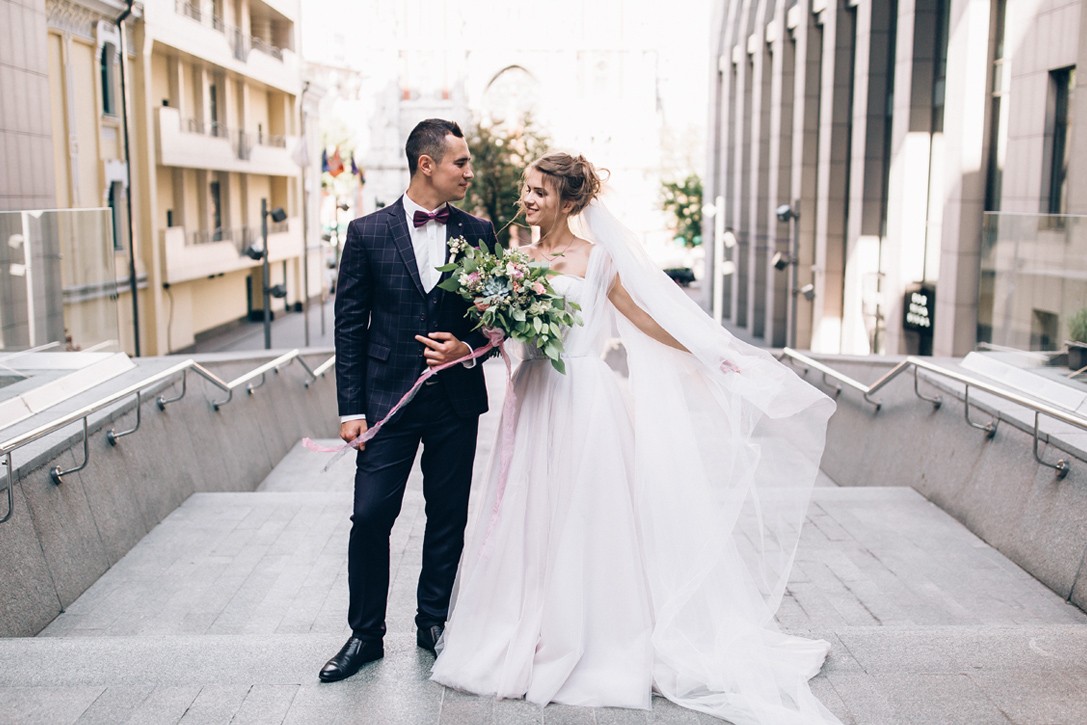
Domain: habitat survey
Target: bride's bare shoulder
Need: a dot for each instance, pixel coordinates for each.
(581, 246)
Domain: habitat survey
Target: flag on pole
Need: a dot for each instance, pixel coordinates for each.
(335, 163)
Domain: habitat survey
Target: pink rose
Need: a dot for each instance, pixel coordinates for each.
(473, 278)
(538, 288)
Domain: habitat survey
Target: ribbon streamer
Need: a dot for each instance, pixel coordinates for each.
(495, 338)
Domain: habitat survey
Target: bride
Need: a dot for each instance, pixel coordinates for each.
(647, 527)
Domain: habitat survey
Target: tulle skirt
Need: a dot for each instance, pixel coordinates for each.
(551, 601)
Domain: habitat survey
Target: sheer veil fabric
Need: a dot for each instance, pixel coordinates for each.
(719, 453)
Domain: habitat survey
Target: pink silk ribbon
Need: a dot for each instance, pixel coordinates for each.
(495, 338)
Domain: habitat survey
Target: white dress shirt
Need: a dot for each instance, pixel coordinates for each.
(428, 243)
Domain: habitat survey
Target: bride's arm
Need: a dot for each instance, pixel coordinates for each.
(639, 317)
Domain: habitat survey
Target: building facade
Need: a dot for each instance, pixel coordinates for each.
(210, 94)
(216, 89)
(899, 176)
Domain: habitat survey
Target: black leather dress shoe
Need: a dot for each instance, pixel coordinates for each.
(350, 658)
(427, 637)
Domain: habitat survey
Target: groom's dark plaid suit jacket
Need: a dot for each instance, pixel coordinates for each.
(381, 307)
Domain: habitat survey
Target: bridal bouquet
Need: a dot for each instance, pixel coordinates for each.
(511, 293)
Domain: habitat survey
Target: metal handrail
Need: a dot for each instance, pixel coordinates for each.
(913, 363)
(182, 368)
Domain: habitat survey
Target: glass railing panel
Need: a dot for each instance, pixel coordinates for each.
(58, 280)
(1033, 279)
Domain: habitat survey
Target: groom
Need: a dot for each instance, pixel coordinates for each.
(392, 321)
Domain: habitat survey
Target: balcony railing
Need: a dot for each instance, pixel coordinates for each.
(241, 141)
(240, 41)
(242, 237)
(265, 47)
(278, 140)
(207, 128)
(189, 10)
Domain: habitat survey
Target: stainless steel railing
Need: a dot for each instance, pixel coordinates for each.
(915, 364)
(137, 389)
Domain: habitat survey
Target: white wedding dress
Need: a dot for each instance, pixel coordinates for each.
(646, 529)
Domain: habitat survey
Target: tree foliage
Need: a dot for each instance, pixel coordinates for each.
(500, 154)
(684, 200)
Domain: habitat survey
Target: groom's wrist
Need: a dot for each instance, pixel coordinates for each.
(358, 416)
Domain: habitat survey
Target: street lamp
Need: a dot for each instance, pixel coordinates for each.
(340, 206)
(790, 214)
(278, 291)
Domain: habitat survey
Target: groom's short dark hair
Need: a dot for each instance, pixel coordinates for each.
(428, 137)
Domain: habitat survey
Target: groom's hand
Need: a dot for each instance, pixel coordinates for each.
(442, 347)
(352, 429)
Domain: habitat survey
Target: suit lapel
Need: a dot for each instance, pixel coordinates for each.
(398, 226)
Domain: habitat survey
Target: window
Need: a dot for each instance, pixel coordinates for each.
(213, 109)
(1043, 331)
(998, 108)
(1059, 118)
(107, 62)
(116, 204)
(216, 212)
(939, 68)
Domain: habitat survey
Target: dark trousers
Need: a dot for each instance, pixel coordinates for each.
(381, 475)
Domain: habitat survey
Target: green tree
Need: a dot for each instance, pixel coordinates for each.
(684, 200)
(500, 154)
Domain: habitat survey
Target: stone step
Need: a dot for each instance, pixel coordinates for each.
(875, 674)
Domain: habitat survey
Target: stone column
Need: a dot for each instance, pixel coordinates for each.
(782, 49)
(833, 170)
(804, 180)
(963, 174)
(759, 147)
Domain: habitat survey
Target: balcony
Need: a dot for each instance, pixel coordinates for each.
(193, 28)
(196, 254)
(193, 144)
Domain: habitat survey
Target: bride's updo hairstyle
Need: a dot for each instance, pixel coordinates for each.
(573, 178)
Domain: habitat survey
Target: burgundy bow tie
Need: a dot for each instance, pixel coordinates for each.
(421, 217)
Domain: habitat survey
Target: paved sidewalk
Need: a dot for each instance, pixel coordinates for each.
(288, 332)
(227, 609)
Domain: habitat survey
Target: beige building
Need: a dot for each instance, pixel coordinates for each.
(215, 117)
(927, 157)
(213, 91)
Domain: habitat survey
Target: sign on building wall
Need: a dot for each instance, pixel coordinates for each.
(918, 313)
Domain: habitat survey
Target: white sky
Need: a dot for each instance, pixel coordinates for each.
(357, 33)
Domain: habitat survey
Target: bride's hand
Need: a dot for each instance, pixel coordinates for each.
(727, 366)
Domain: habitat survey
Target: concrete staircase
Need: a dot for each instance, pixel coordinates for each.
(225, 611)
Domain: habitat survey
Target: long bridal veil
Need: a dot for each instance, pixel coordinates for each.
(727, 448)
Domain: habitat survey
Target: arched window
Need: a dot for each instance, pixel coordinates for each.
(512, 93)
